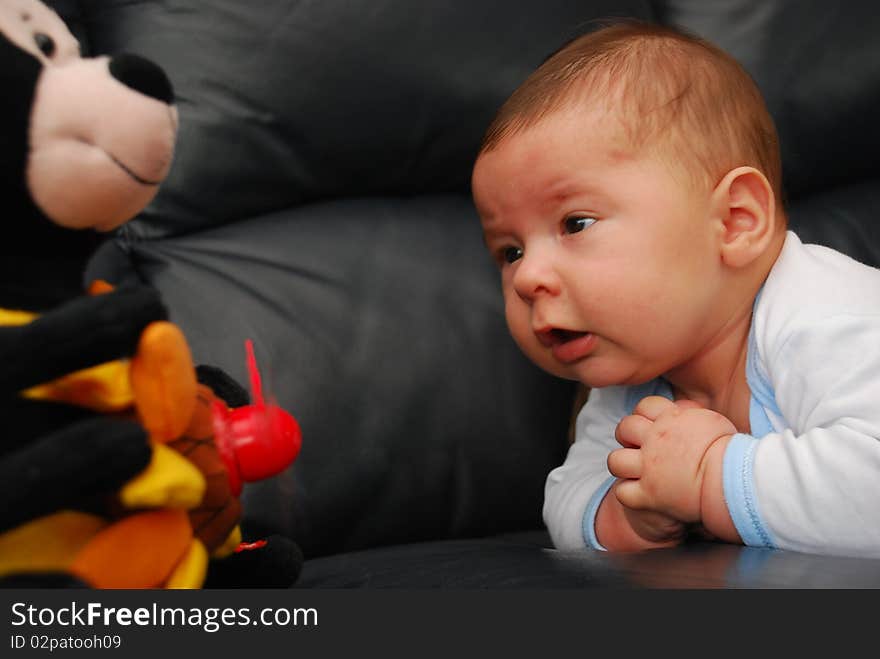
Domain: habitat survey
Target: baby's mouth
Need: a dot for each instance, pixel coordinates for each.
(564, 336)
(551, 336)
(567, 346)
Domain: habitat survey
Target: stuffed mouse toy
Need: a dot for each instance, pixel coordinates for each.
(112, 469)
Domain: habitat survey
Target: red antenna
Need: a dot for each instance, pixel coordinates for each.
(257, 440)
(254, 373)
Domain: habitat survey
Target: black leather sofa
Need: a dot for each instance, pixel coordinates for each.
(319, 204)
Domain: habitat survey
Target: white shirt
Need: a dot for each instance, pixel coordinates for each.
(807, 478)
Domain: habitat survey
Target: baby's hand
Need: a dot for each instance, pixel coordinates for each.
(664, 456)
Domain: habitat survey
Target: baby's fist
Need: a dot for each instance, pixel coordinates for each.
(664, 458)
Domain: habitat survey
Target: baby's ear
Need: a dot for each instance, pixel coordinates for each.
(746, 206)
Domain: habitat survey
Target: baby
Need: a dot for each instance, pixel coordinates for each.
(630, 192)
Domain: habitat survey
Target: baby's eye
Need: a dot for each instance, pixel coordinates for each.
(576, 223)
(510, 254)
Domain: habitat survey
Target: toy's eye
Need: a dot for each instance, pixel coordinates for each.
(511, 254)
(45, 43)
(575, 224)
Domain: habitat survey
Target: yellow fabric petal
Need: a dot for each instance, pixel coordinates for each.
(233, 540)
(169, 481)
(16, 317)
(191, 571)
(48, 543)
(103, 388)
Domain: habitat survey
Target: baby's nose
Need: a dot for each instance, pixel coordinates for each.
(535, 276)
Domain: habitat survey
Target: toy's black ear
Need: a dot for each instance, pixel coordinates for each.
(18, 80)
(224, 387)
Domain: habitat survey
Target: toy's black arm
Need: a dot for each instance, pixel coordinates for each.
(88, 458)
(84, 332)
(27, 420)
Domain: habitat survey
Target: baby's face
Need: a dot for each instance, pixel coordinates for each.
(609, 263)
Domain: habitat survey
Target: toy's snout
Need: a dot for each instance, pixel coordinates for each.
(97, 159)
(142, 76)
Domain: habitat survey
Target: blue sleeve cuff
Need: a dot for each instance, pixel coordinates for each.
(589, 522)
(739, 492)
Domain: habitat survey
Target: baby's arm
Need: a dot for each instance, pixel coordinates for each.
(815, 486)
(580, 507)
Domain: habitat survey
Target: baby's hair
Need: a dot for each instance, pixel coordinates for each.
(672, 92)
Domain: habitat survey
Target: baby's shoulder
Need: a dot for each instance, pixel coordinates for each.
(813, 282)
(814, 299)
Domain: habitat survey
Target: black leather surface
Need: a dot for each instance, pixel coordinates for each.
(846, 218)
(527, 561)
(285, 102)
(818, 65)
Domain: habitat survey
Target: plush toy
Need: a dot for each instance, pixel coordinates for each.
(119, 465)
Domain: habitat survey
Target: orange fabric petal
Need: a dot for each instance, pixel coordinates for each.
(139, 551)
(163, 379)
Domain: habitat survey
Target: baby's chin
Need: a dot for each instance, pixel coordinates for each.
(596, 373)
(596, 370)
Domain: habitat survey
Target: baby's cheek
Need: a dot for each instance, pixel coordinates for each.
(518, 319)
